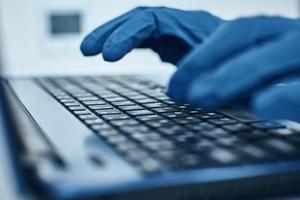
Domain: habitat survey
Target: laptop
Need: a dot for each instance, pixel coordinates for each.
(121, 137)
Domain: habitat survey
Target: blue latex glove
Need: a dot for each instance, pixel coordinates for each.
(245, 57)
(169, 32)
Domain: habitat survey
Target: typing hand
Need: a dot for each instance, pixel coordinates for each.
(245, 57)
(169, 32)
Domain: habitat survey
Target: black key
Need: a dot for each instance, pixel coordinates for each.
(222, 121)
(139, 96)
(283, 132)
(72, 104)
(147, 100)
(157, 92)
(109, 132)
(123, 103)
(115, 117)
(115, 99)
(170, 102)
(100, 127)
(101, 107)
(134, 129)
(144, 137)
(172, 130)
(186, 137)
(161, 97)
(181, 106)
(164, 109)
(281, 146)
(268, 125)
(88, 98)
(61, 96)
(155, 105)
(70, 87)
(130, 94)
(190, 160)
(116, 139)
(77, 93)
(93, 121)
(82, 112)
(203, 126)
(128, 122)
(98, 102)
(196, 110)
(139, 112)
(149, 166)
(102, 92)
(149, 117)
(254, 151)
(113, 86)
(91, 98)
(134, 107)
(209, 115)
(202, 145)
(160, 123)
(230, 141)
(87, 117)
(122, 90)
(159, 145)
(167, 155)
(215, 133)
(108, 112)
(126, 146)
(68, 100)
(222, 155)
(77, 108)
(136, 156)
(83, 95)
(187, 120)
(175, 115)
(107, 95)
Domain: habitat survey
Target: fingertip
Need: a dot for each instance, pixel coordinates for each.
(202, 94)
(174, 93)
(177, 86)
(110, 57)
(202, 99)
(268, 105)
(88, 46)
(112, 52)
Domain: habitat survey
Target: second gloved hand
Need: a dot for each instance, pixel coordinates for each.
(245, 57)
(169, 32)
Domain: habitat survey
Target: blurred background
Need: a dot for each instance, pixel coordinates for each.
(43, 36)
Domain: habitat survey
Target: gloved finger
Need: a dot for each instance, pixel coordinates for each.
(281, 102)
(247, 72)
(191, 26)
(229, 40)
(146, 28)
(93, 43)
(128, 36)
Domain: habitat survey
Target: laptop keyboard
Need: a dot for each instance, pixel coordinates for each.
(155, 134)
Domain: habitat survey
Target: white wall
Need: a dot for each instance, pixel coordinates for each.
(26, 48)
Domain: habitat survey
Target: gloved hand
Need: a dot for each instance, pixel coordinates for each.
(169, 32)
(245, 57)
